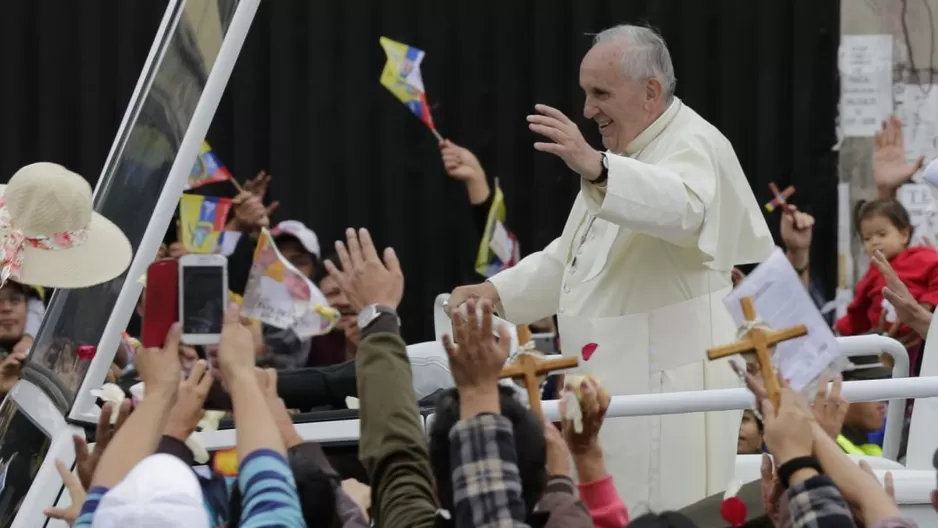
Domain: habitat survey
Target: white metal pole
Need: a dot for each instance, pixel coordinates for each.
(83, 407)
(732, 399)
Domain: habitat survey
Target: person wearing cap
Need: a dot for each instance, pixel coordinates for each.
(299, 245)
(863, 418)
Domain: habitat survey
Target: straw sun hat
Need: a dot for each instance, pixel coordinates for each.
(49, 235)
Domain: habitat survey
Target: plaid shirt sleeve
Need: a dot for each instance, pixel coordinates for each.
(486, 481)
(817, 503)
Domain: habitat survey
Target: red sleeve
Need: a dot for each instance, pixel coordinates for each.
(605, 506)
(856, 322)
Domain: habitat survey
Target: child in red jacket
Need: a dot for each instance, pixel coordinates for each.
(884, 226)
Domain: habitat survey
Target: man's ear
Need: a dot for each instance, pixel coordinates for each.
(654, 91)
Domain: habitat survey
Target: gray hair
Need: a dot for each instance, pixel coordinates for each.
(645, 55)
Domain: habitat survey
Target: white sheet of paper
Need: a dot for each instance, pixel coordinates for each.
(782, 301)
(918, 201)
(501, 242)
(865, 63)
(917, 107)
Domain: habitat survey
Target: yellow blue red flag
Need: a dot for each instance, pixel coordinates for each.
(401, 76)
(202, 222)
(499, 248)
(207, 168)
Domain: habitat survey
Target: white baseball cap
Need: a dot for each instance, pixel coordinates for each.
(298, 230)
(159, 491)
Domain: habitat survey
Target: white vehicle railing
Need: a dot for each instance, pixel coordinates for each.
(895, 413)
(896, 390)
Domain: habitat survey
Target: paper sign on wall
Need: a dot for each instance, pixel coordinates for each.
(917, 108)
(917, 200)
(865, 63)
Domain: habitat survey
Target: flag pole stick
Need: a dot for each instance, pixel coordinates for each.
(237, 185)
(437, 134)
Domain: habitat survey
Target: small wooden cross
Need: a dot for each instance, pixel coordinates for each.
(529, 368)
(779, 198)
(759, 340)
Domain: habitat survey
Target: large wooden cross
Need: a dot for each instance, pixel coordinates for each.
(759, 340)
(779, 198)
(529, 368)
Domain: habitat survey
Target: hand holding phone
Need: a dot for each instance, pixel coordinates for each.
(203, 297)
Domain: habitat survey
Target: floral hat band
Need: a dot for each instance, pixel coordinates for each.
(11, 250)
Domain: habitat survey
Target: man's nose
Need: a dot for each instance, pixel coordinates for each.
(589, 109)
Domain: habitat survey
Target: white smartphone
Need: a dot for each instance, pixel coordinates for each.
(444, 325)
(203, 297)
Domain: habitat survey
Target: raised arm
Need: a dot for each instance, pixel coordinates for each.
(676, 199)
(393, 446)
(667, 200)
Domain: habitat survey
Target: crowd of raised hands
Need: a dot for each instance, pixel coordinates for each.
(808, 480)
(172, 407)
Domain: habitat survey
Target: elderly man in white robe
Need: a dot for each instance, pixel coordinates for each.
(638, 275)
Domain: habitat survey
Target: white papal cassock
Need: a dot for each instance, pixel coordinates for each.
(640, 270)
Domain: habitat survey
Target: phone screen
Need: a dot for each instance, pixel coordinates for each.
(203, 307)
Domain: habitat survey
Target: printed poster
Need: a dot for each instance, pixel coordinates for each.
(917, 200)
(865, 63)
(917, 108)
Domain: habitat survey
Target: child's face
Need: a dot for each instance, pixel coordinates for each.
(750, 437)
(879, 233)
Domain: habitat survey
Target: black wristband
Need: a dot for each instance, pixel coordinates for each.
(604, 170)
(786, 470)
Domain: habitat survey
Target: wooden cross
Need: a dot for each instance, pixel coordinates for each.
(529, 368)
(759, 340)
(779, 198)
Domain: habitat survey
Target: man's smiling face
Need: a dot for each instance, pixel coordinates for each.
(620, 106)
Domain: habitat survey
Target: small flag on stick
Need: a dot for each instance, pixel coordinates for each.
(779, 199)
(401, 76)
(202, 222)
(208, 168)
(279, 295)
(499, 248)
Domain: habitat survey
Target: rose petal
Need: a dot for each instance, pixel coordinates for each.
(588, 350)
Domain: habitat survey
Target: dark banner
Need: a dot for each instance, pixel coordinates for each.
(305, 103)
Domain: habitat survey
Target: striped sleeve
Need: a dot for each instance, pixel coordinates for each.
(86, 515)
(268, 491)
